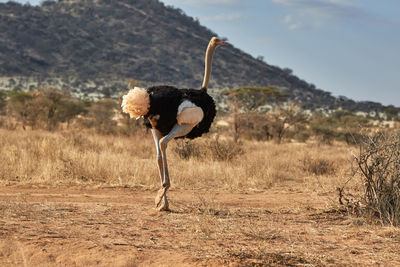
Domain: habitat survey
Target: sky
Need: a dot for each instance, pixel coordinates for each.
(347, 47)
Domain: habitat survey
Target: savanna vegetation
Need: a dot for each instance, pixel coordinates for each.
(49, 136)
(272, 184)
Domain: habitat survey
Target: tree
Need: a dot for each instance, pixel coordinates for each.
(340, 125)
(252, 97)
(245, 100)
(51, 99)
(288, 71)
(71, 108)
(20, 106)
(392, 112)
(281, 119)
(235, 106)
(47, 2)
(3, 102)
(44, 107)
(102, 113)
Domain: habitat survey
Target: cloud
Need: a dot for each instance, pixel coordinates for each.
(314, 13)
(288, 19)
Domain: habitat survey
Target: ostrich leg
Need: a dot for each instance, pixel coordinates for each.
(177, 131)
(157, 136)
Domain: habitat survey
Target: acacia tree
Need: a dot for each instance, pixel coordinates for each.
(102, 113)
(280, 119)
(392, 112)
(56, 106)
(253, 97)
(51, 100)
(44, 107)
(247, 100)
(3, 101)
(20, 107)
(70, 109)
(339, 125)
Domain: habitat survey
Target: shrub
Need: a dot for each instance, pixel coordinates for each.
(101, 114)
(224, 150)
(378, 165)
(3, 101)
(186, 149)
(213, 148)
(318, 166)
(325, 134)
(340, 125)
(43, 108)
(353, 138)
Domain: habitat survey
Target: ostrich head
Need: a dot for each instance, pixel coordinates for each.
(212, 45)
(215, 42)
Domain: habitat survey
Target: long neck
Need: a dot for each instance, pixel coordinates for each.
(207, 67)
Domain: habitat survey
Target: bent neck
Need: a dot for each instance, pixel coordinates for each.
(208, 65)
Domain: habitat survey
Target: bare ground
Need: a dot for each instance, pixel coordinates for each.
(118, 227)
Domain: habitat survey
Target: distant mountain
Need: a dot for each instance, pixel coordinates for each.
(95, 46)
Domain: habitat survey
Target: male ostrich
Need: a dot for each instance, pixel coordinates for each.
(173, 113)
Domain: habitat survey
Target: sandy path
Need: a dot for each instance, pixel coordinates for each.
(118, 227)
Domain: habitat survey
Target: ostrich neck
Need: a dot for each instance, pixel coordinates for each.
(207, 68)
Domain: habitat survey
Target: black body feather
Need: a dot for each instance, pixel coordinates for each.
(165, 100)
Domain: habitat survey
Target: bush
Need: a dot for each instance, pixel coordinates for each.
(318, 166)
(354, 138)
(3, 101)
(378, 165)
(213, 148)
(340, 125)
(325, 134)
(225, 150)
(186, 149)
(101, 114)
(43, 108)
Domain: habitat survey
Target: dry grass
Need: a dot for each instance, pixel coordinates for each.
(115, 227)
(85, 158)
(268, 206)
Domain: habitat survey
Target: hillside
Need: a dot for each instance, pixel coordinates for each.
(95, 46)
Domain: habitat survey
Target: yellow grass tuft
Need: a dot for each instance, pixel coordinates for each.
(85, 158)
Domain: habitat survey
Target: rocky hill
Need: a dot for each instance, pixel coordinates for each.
(95, 46)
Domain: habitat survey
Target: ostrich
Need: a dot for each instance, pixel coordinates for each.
(173, 113)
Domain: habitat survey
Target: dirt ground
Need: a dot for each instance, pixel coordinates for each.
(119, 227)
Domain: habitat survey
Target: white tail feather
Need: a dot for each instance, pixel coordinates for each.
(136, 103)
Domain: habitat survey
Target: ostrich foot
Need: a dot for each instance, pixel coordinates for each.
(159, 196)
(161, 200)
(163, 206)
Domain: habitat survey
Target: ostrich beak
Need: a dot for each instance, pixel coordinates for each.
(221, 43)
